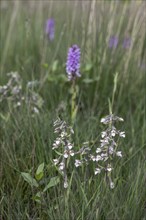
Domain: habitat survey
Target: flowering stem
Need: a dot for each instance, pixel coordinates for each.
(73, 102)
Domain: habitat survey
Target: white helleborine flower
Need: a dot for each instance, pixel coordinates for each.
(113, 133)
(36, 110)
(56, 161)
(61, 166)
(68, 153)
(103, 134)
(19, 103)
(69, 146)
(98, 150)
(98, 158)
(78, 163)
(93, 158)
(122, 134)
(65, 185)
(112, 185)
(119, 153)
(109, 168)
(111, 150)
(97, 171)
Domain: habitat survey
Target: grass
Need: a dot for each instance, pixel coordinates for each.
(26, 141)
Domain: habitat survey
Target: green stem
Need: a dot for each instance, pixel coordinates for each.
(73, 103)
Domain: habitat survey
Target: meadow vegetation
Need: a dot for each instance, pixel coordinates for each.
(111, 36)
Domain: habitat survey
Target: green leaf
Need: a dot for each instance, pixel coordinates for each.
(53, 182)
(57, 152)
(50, 78)
(88, 66)
(37, 197)
(55, 65)
(28, 178)
(87, 80)
(39, 173)
(5, 117)
(45, 65)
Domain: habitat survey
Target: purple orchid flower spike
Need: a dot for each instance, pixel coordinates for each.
(126, 42)
(113, 42)
(50, 28)
(73, 62)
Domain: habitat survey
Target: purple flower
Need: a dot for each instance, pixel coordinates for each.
(126, 42)
(73, 62)
(113, 42)
(142, 65)
(50, 28)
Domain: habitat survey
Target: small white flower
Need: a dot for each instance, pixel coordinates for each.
(119, 153)
(57, 142)
(65, 155)
(105, 140)
(78, 163)
(97, 171)
(111, 150)
(63, 134)
(104, 155)
(103, 134)
(103, 120)
(71, 153)
(69, 146)
(65, 185)
(68, 153)
(56, 161)
(98, 158)
(93, 158)
(72, 131)
(5, 87)
(113, 133)
(109, 169)
(61, 166)
(120, 119)
(122, 134)
(18, 103)
(36, 110)
(98, 150)
(112, 185)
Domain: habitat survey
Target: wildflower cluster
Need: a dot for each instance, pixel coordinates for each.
(103, 155)
(12, 93)
(113, 42)
(73, 62)
(107, 149)
(65, 147)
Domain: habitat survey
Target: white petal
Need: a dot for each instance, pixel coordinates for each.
(119, 153)
(112, 185)
(97, 171)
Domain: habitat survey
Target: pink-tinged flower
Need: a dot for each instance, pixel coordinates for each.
(73, 62)
(126, 42)
(113, 42)
(50, 28)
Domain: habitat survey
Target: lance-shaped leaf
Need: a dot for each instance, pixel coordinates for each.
(40, 172)
(28, 178)
(53, 182)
